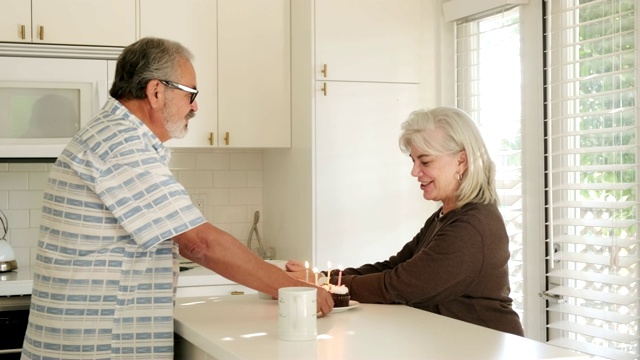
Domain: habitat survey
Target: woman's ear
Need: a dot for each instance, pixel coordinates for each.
(462, 162)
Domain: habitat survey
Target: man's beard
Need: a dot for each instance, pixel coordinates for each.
(177, 128)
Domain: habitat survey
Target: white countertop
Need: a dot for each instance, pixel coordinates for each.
(245, 327)
(201, 276)
(20, 281)
(17, 282)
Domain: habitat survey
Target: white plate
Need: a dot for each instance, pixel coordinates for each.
(352, 304)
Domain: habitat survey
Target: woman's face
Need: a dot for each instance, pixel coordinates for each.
(438, 175)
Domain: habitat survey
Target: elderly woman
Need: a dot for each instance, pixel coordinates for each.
(456, 265)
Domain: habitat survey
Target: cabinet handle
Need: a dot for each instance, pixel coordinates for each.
(226, 138)
(211, 138)
(236, 292)
(41, 32)
(22, 32)
(324, 89)
(324, 70)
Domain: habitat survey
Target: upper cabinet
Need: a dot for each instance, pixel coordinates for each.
(193, 24)
(343, 191)
(242, 61)
(241, 47)
(254, 81)
(69, 22)
(15, 21)
(368, 40)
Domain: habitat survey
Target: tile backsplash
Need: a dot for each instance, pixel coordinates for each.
(228, 183)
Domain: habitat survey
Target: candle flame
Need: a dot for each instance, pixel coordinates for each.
(306, 264)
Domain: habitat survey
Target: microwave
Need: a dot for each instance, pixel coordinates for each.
(45, 101)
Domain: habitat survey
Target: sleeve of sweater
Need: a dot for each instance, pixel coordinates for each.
(430, 269)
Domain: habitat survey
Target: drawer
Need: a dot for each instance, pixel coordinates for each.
(214, 290)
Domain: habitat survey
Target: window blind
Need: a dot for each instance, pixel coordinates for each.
(591, 160)
(488, 88)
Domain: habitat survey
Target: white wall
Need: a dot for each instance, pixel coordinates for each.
(231, 181)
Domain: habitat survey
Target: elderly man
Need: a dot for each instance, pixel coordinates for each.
(114, 219)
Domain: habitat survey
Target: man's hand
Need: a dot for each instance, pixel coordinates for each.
(324, 301)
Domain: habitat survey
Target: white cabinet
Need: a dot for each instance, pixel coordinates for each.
(241, 50)
(367, 204)
(193, 24)
(15, 20)
(344, 192)
(254, 70)
(368, 40)
(69, 22)
(214, 290)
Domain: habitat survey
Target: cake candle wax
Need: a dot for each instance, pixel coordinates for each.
(306, 271)
(315, 273)
(328, 271)
(339, 274)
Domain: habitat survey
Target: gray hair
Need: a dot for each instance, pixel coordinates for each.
(146, 59)
(461, 133)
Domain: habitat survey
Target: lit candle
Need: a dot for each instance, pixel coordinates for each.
(328, 271)
(315, 273)
(306, 271)
(339, 274)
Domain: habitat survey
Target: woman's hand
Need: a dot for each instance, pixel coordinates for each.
(294, 266)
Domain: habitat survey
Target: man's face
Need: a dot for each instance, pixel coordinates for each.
(175, 119)
(179, 109)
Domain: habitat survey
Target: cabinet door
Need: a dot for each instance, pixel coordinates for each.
(366, 201)
(81, 22)
(368, 40)
(193, 24)
(254, 73)
(214, 290)
(15, 21)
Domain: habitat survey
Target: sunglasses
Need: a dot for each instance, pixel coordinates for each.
(192, 92)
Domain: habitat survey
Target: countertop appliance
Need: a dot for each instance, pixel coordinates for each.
(7, 257)
(47, 93)
(15, 300)
(14, 316)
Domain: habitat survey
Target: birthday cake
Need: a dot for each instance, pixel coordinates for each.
(340, 294)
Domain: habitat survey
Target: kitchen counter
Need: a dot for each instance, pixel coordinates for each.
(16, 282)
(245, 327)
(20, 281)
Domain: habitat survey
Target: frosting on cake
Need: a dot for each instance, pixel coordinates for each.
(334, 289)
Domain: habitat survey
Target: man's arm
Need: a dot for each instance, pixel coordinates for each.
(217, 250)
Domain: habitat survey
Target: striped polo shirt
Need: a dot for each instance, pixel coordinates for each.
(106, 267)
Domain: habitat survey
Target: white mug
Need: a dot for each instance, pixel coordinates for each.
(297, 310)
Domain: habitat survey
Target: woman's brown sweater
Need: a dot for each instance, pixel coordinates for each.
(455, 266)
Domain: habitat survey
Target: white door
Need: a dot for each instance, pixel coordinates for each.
(15, 21)
(254, 73)
(366, 201)
(193, 24)
(387, 34)
(80, 22)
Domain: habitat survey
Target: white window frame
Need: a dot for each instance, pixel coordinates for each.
(532, 138)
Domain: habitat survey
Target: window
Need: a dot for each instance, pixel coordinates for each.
(588, 203)
(592, 142)
(488, 88)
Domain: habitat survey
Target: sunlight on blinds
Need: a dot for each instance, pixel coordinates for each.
(488, 89)
(591, 93)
